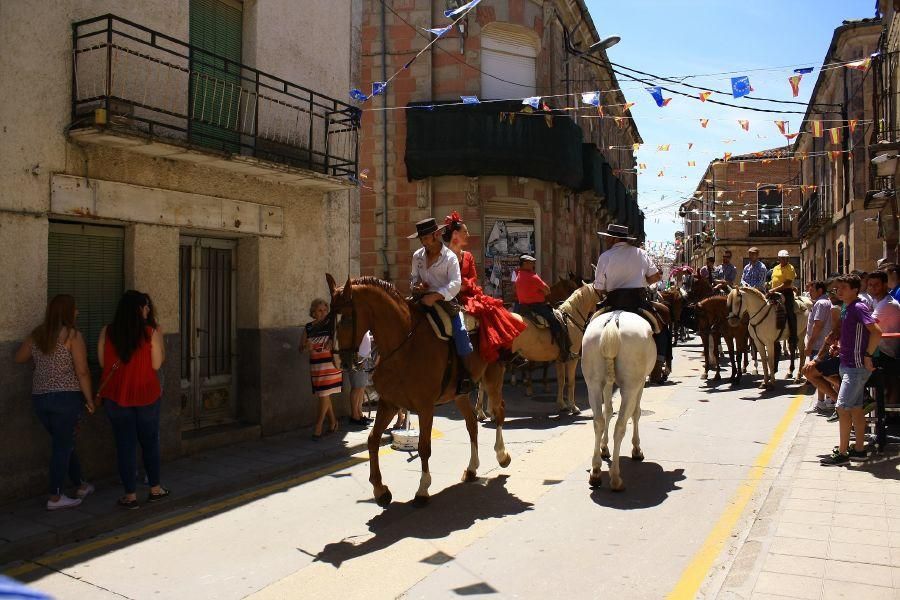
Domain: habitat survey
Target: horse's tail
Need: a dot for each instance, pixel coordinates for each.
(610, 340)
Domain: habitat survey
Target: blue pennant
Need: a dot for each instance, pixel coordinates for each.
(358, 95)
(452, 12)
(470, 99)
(740, 86)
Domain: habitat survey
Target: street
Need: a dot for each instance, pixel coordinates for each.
(532, 530)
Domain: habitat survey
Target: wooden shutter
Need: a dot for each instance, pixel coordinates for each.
(215, 28)
(86, 262)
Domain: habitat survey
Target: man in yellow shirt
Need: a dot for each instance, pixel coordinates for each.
(783, 276)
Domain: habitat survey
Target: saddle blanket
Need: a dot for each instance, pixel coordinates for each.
(646, 314)
(442, 324)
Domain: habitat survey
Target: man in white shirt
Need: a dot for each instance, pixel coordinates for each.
(624, 273)
(818, 326)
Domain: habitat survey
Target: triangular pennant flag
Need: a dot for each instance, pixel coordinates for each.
(727, 155)
(859, 65)
(740, 86)
(628, 106)
(358, 95)
(378, 87)
(592, 98)
(741, 166)
(662, 148)
(642, 166)
(470, 99)
(835, 133)
(635, 147)
(452, 12)
(804, 71)
(656, 92)
(851, 124)
(692, 163)
(439, 31)
(781, 125)
(620, 122)
(533, 101)
(790, 136)
(745, 124)
(548, 119)
(600, 110)
(704, 123)
(794, 80)
(661, 174)
(834, 154)
(704, 96)
(816, 127)
(690, 145)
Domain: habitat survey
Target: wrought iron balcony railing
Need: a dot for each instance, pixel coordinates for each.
(815, 213)
(886, 97)
(155, 85)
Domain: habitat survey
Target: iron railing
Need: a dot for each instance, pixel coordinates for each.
(156, 85)
(886, 97)
(778, 226)
(815, 213)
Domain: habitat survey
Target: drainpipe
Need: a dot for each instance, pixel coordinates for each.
(384, 147)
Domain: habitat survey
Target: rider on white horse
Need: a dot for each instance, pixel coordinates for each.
(624, 273)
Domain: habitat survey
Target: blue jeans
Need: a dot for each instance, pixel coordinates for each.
(461, 336)
(133, 425)
(58, 412)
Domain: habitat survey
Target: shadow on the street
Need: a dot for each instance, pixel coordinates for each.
(647, 485)
(452, 509)
(884, 465)
(539, 422)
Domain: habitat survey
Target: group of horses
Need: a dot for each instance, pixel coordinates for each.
(418, 371)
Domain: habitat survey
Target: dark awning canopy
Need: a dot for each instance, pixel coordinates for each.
(473, 140)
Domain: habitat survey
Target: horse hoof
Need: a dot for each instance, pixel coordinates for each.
(469, 476)
(595, 482)
(617, 486)
(384, 500)
(638, 456)
(420, 501)
(506, 460)
(604, 453)
(482, 416)
(574, 411)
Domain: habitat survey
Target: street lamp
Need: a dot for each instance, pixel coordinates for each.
(883, 158)
(604, 44)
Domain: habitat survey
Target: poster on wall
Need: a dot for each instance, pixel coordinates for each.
(507, 240)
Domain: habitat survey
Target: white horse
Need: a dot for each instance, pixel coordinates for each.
(764, 330)
(618, 348)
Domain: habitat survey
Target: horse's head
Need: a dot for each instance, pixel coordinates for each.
(347, 335)
(735, 306)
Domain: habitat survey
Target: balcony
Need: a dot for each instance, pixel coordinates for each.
(139, 89)
(493, 138)
(814, 214)
(887, 98)
(777, 228)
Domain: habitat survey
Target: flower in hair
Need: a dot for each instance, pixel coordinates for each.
(452, 219)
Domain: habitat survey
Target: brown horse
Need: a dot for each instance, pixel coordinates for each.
(712, 326)
(417, 371)
(674, 300)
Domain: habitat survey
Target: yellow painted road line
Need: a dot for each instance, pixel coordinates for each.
(196, 514)
(695, 573)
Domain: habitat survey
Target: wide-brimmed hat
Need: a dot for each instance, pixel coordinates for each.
(617, 231)
(424, 227)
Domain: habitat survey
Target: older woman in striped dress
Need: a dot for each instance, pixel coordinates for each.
(326, 378)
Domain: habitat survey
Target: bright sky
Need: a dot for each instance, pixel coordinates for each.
(701, 37)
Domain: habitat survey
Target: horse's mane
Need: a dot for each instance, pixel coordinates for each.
(703, 302)
(754, 291)
(386, 286)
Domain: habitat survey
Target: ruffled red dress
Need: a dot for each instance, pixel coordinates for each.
(498, 328)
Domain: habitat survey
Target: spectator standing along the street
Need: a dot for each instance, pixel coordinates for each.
(131, 351)
(887, 315)
(818, 326)
(326, 378)
(755, 271)
(893, 273)
(860, 336)
(359, 379)
(60, 389)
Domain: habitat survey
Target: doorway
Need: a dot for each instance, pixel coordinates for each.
(208, 331)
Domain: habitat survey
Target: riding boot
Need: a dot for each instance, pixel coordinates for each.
(564, 343)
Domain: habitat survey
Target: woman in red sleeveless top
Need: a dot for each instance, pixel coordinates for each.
(130, 350)
(498, 328)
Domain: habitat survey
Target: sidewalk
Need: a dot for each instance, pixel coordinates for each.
(27, 529)
(823, 532)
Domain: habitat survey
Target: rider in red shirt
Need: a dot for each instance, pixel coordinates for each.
(531, 294)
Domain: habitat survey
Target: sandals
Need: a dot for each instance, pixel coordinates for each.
(151, 497)
(127, 504)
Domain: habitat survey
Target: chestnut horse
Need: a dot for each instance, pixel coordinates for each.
(713, 325)
(417, 371)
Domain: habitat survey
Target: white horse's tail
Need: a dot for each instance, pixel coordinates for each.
(610, 340)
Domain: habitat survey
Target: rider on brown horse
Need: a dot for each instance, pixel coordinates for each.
(531, 294)
(435, 279)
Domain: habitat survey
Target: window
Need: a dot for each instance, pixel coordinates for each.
(508, 52)
(840, 258)
(769, 203)
(828, 269)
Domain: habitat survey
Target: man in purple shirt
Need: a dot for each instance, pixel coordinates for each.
(860, 336)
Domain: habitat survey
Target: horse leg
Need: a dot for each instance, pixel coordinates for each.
(801, 350)
(626, 408)
(597, 462)
(607, 414)
(560, 385)
(704, 341)
(383, 416)
(426, 417)
(715, 345)
(479, 403)
(636, 452)
(570, 368)
(544, 376)
(493, 379)
(471, 472)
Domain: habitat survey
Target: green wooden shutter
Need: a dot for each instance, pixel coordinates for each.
(215, 29)
(86, 262)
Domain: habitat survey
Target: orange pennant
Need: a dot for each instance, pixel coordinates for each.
(852, 124)
(859, 65)
(704, 96)
(795, 84)
(727, 155)
(704, 123)
(790, 136)
(745, 124)
(834, 154)
(781, 125)
(628, 105)
(835, 133)
(600, 109)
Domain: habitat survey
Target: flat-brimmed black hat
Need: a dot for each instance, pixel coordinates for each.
(424, 227)
(617, 231)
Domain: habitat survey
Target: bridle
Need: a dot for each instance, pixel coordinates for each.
(584, 318)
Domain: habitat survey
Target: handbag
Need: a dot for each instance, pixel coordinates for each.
(112, 369)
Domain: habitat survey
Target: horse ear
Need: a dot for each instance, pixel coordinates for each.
(347, 292)
(331, 284)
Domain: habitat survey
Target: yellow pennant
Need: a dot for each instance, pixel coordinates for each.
(704, 96)
(704, 123)
(635, 147)
(692, 163)
(628, 105)
(662, 148)
(852, 124)
(727, 155)
(835, 133)
(816, 127)
(742, 166)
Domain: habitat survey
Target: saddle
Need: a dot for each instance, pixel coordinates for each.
(633, 300)
(540, 321)
(440, 318)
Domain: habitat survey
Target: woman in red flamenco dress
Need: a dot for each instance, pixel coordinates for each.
(498, 327)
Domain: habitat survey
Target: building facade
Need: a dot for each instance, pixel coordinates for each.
(839, 232)
(540, 179)
(194, 150)
(748, 200)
